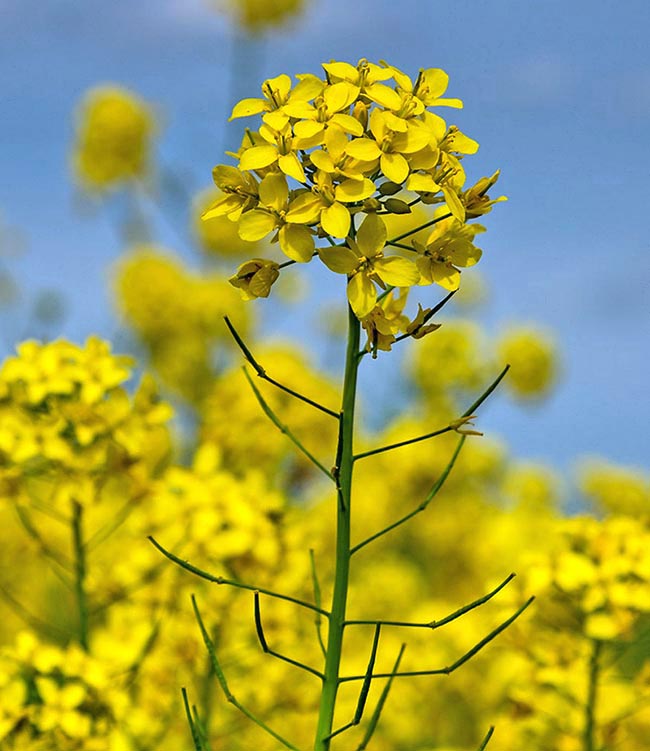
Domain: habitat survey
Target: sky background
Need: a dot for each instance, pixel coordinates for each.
(557, 94)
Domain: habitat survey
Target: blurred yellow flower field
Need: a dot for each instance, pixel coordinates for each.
(331, 586)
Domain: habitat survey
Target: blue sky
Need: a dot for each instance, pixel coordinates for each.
(557, 93)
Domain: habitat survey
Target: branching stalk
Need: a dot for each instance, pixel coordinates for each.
(80, 572)
(232, 582)
(263, 374)
(343, 476)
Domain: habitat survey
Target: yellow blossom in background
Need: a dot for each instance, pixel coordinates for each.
(256, 16)
(178, 315)
(532, 356)
(113, 138)
(615, 489)
(61, 698)
(217, 236)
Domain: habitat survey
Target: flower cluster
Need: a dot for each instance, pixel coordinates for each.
(58, 698)
(256, 16)
(113, 138)
(178, 316)
(67, 420)
(332, 161)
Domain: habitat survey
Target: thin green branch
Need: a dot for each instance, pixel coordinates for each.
(107, 530)
(409, 248)
(589, 733)
(418, 229)
(374, 719)
(262, 373)
(392, 446)
(317, 600)
(421, 507)
(194, 730)
(443, 621)
(36, 623)
(472, 409)
(231, 582)
(459, 662)
(427, 317)
(454, 425)
(365, 688)
(267, 650)
(283, 428)
(486, 740)
(224, 685)
(61, 560)
(80, 572)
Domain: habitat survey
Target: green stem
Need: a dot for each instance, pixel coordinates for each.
(592, 692)
(80, 572)
(343, 474)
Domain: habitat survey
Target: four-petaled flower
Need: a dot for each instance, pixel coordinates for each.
(364, 263)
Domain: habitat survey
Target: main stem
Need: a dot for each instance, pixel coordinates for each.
(80, 572)
(343, 474)
(589, 735)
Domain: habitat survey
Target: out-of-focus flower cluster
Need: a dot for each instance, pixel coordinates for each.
(256, 16)
(114, 132)
(333, 160)
(178, 315)
(69, 427)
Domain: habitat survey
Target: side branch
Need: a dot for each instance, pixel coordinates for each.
(317, 600)
(460, 661)
(231, 582)
(267, 650)
(443, 621)
(216, 666)
(365, 688)
(374, 719)
(284, 429)
(262, 373)
(432, 493)
(486, 740)
(429, 315)
(454, 425)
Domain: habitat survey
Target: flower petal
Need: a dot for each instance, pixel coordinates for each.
(395, 167)
(258, 157)
(291, 165)
(274, 190)
(362, 295)
(371, 237)
(304, 209)
(364, 149)
(354, 190)
(339, 260)
(254, 225)
(396, 271)
(335, 220)
(248, 107)
(297, 242)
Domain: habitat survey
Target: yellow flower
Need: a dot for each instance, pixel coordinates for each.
(113, 138)
(364, 263)
(296, 241)
(278, 97)
(533, 362)
(384, 321)
(240, 193)
(449, 245)
(255, 16)
(476, 200)
(217, 235)
(325, 204)
(255, 278)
